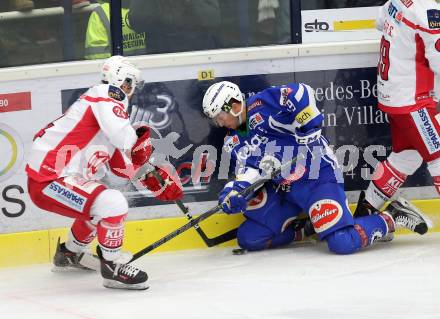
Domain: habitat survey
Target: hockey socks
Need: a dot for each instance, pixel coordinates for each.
(110, 236)
(386, 181)
(437, 183)
(373, 227)
(81, 234)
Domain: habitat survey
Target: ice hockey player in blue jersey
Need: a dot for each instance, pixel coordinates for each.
(271, 128)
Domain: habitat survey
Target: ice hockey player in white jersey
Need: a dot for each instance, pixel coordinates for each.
(66, 163)
(408, 91)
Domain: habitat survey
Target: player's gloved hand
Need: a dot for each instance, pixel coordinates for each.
(169, 190)
(310, 138)
(230, 200)
(141, 150)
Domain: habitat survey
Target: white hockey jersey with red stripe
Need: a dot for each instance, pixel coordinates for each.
(84, 138)
(409, 64)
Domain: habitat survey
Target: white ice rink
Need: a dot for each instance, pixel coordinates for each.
(391, 280)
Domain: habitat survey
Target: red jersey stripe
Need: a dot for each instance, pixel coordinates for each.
(74, 141)
(100, 99)
(418, 27)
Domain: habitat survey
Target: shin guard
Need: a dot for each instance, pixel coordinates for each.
(386, 181)
(110, 236)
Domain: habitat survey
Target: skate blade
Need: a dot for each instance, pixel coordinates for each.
(62, 269)
(113, 284)
(427, 220)
(385, 239)
(91, 262)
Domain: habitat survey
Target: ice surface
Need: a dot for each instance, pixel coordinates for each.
(390, 280)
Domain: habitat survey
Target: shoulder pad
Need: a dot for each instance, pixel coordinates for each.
(116, 93)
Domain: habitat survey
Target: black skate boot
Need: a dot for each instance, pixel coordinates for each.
(65, 260)
(406, 215)
(363, 208)
(119, 274)
(304, 224)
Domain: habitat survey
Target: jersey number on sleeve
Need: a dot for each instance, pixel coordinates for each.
(384, 61)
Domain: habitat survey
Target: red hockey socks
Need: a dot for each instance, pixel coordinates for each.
(110, 236)
(386, 181)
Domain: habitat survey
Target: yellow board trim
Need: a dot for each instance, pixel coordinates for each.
(36, 247)
(347, 25)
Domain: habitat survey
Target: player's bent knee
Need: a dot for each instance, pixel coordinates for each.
(252, 244)
(343, 241)
(109, 203)
(406, 162)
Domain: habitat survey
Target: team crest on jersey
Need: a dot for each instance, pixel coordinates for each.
(120, 112)
(230, 143)
(116, 93)
(407, 3)
(255, 120)
(433, 18)
(324, 214)
(97, 160)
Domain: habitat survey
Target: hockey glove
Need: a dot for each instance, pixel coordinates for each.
(170, 190)
(141, 151)
(230, 200)
(309, 138)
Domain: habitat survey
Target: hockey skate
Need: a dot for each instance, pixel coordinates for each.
(65, 260)
(118, 274)
(406, 215)
(364, 208)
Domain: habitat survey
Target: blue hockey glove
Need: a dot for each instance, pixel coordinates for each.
(230, 200)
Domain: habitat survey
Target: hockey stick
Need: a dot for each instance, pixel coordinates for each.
(210, 242)
(246, 191)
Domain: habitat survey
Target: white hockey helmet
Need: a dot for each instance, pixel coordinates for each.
(117, 70)
(218, 98)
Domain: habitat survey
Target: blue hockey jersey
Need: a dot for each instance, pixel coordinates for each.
(274, 116)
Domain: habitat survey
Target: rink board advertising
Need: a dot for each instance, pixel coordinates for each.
(352, 122)
(346, 97)
(339, 25)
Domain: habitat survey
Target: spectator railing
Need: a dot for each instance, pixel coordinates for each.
(45, 12)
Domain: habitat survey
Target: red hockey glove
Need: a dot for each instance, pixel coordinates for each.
(141, 151)
(171, 189)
